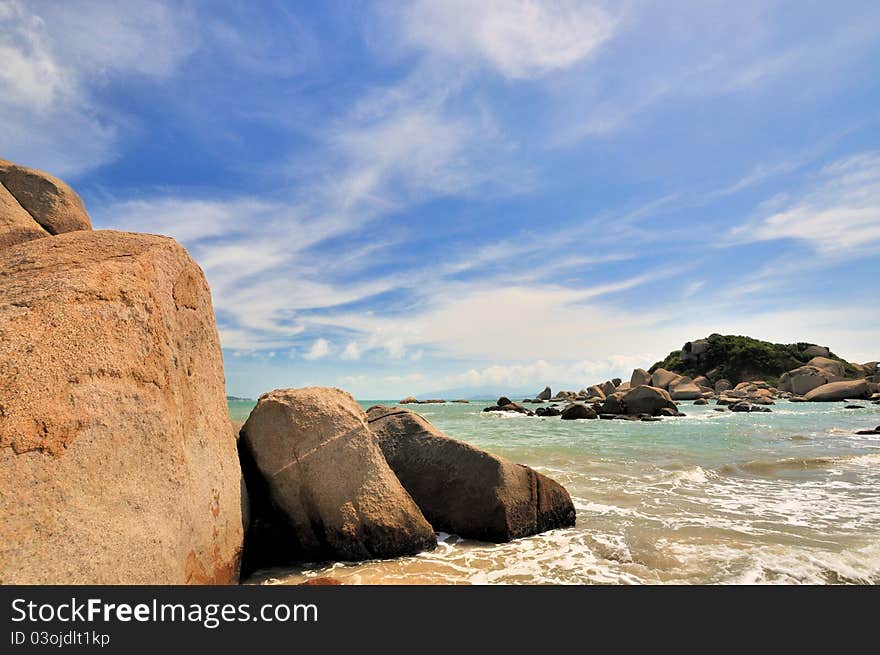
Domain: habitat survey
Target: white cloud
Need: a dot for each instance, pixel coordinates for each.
(54, 54)
(352, 351)
(319, 349)
(518, 38)
(571, 376)
(839, 215)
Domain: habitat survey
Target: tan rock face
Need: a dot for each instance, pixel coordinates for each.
(639, 377)
(114, 430)
(803, 379)
(831, 366)
(661, 378)
(684, 390)
(325, 471)
(16, 225)
(464, 490)
(647, 400)
(48, 200)
(844, 390)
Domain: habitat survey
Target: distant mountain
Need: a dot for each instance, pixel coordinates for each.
(241, 400)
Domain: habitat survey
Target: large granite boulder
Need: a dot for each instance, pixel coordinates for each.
(16, 225)
(464, 490)
(639, 377)
(661, 378)
(843, 390)
(813, 350)
(118, 464)
(577, 411)
(832, 367)
(647, 400)
(596, 391)
(48, 200)
(613, 404)
(803, 380)
(692, 350)
(325, 472)
(547, 394)
(685, 389)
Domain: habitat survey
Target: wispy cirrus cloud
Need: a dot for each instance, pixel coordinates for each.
(518, 38)
(837, 215)
(57, 54)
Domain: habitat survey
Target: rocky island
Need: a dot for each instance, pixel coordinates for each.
(739, 374)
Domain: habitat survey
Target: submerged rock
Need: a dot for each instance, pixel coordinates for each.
(114, 427)
(506, 405)
(327, 475)
(464, 490)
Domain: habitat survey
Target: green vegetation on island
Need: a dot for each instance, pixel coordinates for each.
(739, 359)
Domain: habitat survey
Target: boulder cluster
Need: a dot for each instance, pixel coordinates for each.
(118, 460)
(652, 395)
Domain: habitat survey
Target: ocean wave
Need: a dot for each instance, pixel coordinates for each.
(771, 466)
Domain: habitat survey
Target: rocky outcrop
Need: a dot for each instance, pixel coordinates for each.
(607, 388)
(327, 475)
(16, 225)
(685, 389)
(639, 377)
(647, 400)
(816, 351)
(832, 367)
(742, 359)
(504, 404)
(411, 400)
(48, 200)
(114, 429)
(464, 490)
(614, 404)
(803, 380)
(577, 411)
(843, 390)
(661, 378)
(547, 394)
(596, 391)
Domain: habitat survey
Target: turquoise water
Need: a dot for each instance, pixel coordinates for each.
(791, 496)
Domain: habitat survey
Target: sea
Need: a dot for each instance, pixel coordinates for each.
(786, 497)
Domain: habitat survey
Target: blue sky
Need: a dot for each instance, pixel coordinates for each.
(400, 198)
